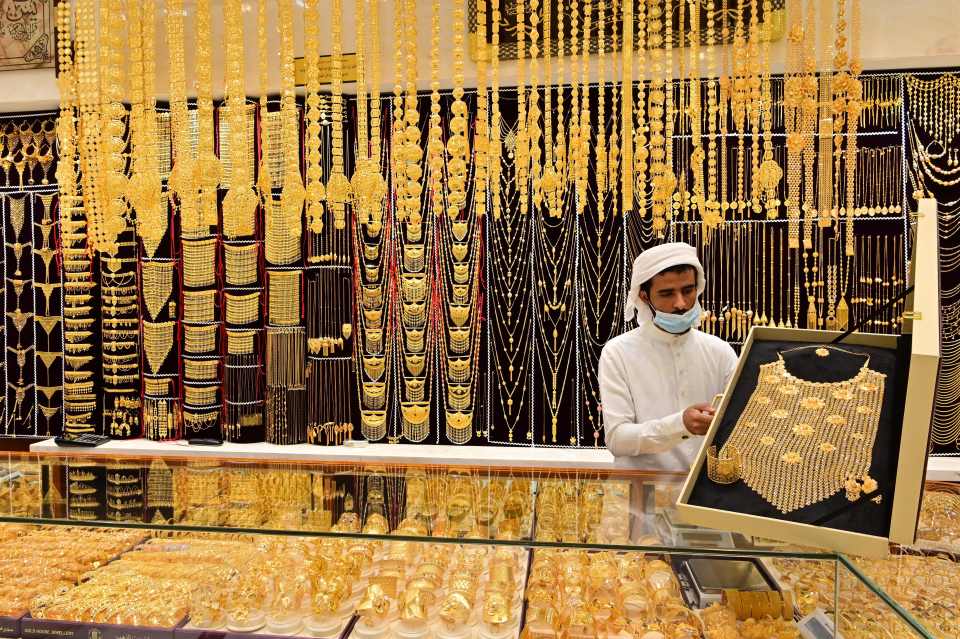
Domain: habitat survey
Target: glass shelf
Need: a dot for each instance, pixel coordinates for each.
(574, 524)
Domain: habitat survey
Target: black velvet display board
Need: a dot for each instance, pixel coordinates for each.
(863, 516)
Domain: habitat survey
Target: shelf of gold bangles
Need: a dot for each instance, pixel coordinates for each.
(376, 551)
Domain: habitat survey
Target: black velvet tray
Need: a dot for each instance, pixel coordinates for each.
(863, 516)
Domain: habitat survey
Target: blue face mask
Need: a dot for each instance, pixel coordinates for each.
(677, 324)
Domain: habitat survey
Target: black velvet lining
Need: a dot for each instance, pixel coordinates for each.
(863, 516)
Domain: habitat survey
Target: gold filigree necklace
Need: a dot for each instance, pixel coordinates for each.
(799, 440)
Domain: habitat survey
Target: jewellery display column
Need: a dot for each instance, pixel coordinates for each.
(121, 356)
(150, 165)
(415, 229)
(49, 341)
(599, 275)
(80, 404)
(124, 492)
(283, 222)
(86, 491)
(330, 265)
(461, 234)
(200, 312)
(932, 165)
(19, 302)
(241, 304)
(32, 285)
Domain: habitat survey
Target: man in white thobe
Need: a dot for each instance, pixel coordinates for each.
(657, 381)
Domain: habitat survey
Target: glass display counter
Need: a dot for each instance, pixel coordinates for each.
(175, 548)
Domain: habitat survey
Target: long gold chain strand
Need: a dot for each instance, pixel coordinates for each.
(209, 167)
(496, 132)
(264, 179)
(458, 148)
(482, 124)
(183, 181)
(293, 195)
(854, 109)
(435, 147)
(626, 109)
(240, 202)
(338, 187)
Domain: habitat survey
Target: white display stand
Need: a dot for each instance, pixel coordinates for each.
(943, 469)
(492, 456)
(938, 468)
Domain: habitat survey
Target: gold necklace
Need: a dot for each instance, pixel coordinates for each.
(641, 147)
(482, 132)
(769, 172)
(157, 285)
(144, 188)
(199, 261)
(284, 298)
(157, 342)
(854, 109)
(242, 262)
(199, 340)
(201, 369)
(240, 202)
(16, 208)
(282, 242)
(435, 146)
(199, 307)
(496, 144)
(793, 105)
(106, 217)
(458, 148)
(200, 395)
(626, 108)
(241, 342)
(242, 309)
(286, 356)
(316, 193)
(66, 123)
(209, 169)
(338, 187)
(799, 440)
(293, 195)
(264, 175)
(184, 180)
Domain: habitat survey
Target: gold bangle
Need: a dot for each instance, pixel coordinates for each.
(724, 467)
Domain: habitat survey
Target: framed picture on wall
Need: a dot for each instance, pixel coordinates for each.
(26, 34)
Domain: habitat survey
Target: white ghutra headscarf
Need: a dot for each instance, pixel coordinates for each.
(652, 262)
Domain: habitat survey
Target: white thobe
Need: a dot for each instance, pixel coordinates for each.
(648, 377)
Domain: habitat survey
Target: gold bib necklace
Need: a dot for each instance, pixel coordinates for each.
(799, 440)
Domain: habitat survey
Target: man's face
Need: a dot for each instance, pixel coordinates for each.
(672, 292)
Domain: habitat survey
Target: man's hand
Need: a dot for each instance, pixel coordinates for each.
(698, 417)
